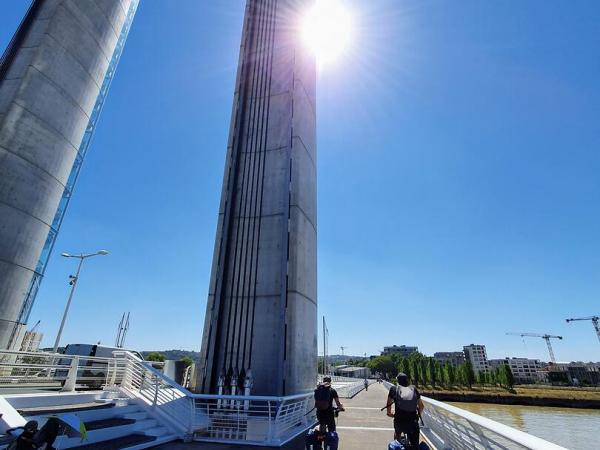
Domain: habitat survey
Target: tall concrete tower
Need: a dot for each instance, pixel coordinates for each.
(54, 77)
(261, 315)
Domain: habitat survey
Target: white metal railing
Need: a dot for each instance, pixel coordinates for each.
(56, 371)
(218, 418)
(347, 387)
(251, 419)
(449, 427)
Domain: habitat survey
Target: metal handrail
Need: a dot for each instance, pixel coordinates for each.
(510, 434)
(460, 429)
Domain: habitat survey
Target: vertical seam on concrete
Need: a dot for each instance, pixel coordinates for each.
(240, 204)
(249, 255)
(215, 335)
(262, 175)
(250, 162)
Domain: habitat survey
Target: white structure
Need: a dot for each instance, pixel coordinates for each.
(524, 370)
(31, 341)
(477, 356)
(352, 372)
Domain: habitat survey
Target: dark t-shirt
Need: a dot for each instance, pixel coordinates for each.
(333, 396)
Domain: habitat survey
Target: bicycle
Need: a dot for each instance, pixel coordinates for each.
(319, 438)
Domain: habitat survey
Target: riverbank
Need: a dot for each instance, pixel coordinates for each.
(520, 395)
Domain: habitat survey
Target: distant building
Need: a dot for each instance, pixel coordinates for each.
(524, 370)
(477, 356)
(574, 373)
(454, 358)
(352, 372)
(31, 341)
(400, 350)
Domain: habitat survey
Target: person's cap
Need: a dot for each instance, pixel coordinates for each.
(402, 379)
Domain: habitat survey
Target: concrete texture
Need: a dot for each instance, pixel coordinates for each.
(262, 304)
(50, 82)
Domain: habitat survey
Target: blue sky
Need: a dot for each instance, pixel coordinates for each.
(458, 187)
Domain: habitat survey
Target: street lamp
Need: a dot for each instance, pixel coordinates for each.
(73, 283)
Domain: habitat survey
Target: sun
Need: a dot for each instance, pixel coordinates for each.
(326, 30)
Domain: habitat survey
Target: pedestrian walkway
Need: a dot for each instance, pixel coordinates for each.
(363, 425)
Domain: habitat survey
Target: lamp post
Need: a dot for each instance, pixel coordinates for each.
(73, 283)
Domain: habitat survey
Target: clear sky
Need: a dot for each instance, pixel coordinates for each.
(458, 178)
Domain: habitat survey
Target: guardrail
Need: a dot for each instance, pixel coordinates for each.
(270, 421)
(449, 427)
(346, 387)
(238, 419)
(54, 371)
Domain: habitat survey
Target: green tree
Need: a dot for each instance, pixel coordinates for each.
(468, 374)
(414, 365)
(384, 365)
(451, 374)
(187, 361)
(505, 376)
(423, 370)
(155, 356)
(431, 371)
(404, 367)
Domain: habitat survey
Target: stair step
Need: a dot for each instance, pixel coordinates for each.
(137, 415)
(159, 440)
(107, 423)
(57, 409)
(90, 415)
(156, 431)
(122, 442)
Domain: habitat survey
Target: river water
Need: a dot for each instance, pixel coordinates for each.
(569, 427)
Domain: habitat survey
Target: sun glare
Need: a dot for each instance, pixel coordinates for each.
(326, 30)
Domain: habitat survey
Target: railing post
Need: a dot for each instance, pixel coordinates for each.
(270, 430)
(482, 437)
(71, 380)
(155, 391)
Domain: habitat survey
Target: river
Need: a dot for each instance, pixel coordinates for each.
(575, 429)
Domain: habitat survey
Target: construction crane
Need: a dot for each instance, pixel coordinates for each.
(594, 320)
(545, 337)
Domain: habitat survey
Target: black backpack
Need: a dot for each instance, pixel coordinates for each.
(322, 397)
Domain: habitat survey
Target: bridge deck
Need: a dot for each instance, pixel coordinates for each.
(363, 425)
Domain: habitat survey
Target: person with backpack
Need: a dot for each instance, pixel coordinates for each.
(407, 410)
(325, 395)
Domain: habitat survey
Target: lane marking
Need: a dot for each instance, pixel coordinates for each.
(365, 428)
(360, 407)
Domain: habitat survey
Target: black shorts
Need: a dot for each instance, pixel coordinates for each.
(327, 418)
(409, 427)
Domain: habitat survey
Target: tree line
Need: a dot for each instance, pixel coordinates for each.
(423, 370)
